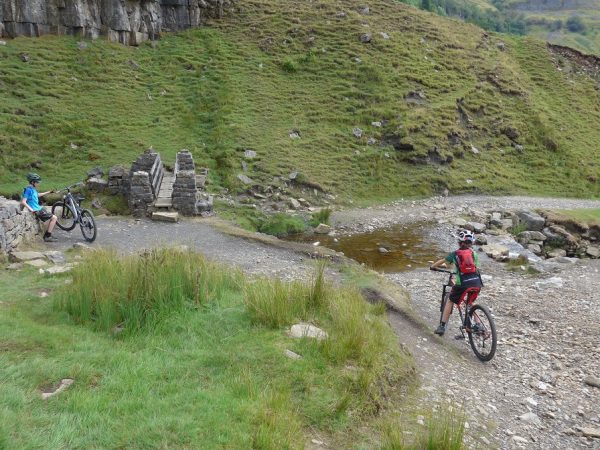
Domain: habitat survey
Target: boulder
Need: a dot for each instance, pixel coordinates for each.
(557, 253)
(96, 172)
(56, 257)
(531, 220)
(593, 251)
(36, 262)
(245, 179)
(97, 184)
(365, 38)
(592, 380)
(527, 237)
(357, 132)
(322, 229)
(25, 256)
(294, 204)
(249, 154)
(301, 330)
(496, 251)
(536, 249)
(478, 227)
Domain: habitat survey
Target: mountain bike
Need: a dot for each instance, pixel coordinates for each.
(69, 213)
(476, 320)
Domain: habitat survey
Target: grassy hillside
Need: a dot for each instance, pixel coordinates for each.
(457, 110)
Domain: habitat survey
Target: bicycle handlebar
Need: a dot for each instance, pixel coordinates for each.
(68, 188)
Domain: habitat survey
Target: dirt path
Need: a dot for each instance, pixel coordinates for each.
(129, 235)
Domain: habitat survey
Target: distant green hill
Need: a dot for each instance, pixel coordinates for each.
(574, 23)
(459, 108)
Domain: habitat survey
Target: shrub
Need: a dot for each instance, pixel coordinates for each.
(575, 24)
(139, 290)
(289, 65)
(282, 224)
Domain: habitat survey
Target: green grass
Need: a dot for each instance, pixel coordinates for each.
(281, 224)
(201, 369)
(272, 67)
(589, 216)
(321, 216)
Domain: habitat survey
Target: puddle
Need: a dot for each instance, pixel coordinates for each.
(408, 247)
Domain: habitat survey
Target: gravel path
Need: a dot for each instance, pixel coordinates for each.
(129, 235)
(406, 211)
(533, 393)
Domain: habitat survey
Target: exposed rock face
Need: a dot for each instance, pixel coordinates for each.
(129, 22)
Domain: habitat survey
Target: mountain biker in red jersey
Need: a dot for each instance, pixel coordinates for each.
(466, 261)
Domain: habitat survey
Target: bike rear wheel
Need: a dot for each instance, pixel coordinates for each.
(482, 333)
(88, 225)
(64, 215)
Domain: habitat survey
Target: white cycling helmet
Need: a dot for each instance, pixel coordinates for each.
(466, 236)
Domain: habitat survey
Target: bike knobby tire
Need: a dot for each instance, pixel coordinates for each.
(88, 225)
(482, 335)
(64, 215)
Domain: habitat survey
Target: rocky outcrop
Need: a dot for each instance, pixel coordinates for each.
(129, 22)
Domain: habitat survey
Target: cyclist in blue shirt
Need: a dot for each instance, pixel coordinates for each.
(31, 202)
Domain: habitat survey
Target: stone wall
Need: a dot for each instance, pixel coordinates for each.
(184, 188)
(129, 22)
(140, 194)
(150, 162)
(15, 226)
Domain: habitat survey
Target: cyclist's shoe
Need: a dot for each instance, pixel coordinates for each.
(440, 330)
(50, 239)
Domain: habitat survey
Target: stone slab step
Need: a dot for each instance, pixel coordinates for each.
(200, 180)
(163, 202)
(165, 216)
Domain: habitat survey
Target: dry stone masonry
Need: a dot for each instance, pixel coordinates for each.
(15, 226)
(129, 23)
(184, 188)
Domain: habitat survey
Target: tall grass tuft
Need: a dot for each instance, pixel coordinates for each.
(274, 303)
(444, 430)
(321, 216)
(137, 291)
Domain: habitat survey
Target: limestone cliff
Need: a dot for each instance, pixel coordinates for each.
(127, 21)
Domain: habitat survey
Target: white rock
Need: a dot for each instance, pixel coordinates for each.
(301, 330)
(25, 256)
(292, 355)
(64, 384)
(531, 418)
(322, 229)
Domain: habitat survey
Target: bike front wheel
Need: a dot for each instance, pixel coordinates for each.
(482, 334)
(88, 225)
(65, 218)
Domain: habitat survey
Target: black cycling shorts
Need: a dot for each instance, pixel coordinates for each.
(467, 281)
(43, 215)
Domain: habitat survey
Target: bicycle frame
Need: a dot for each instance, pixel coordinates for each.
(68, 198)
(467, 298)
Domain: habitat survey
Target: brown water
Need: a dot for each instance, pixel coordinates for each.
(408, 247)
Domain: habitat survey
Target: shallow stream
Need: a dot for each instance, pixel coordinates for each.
(396, 249)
